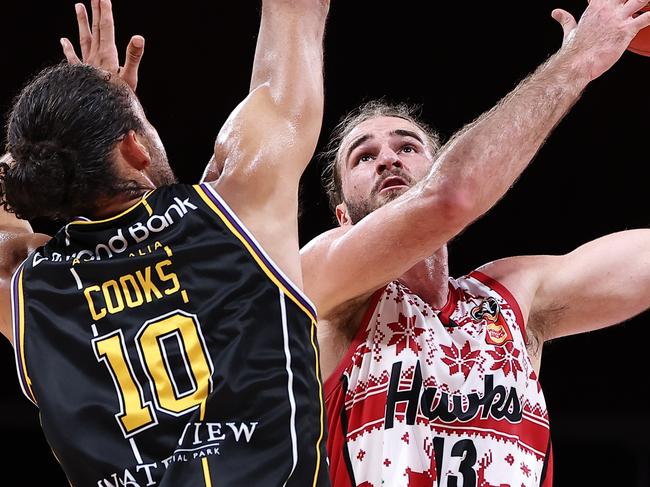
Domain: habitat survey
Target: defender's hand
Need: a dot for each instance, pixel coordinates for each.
(98, 43)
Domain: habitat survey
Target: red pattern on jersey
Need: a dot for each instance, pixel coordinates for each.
(458, 377)
(506, 358)
(460, 360)
(404, 332)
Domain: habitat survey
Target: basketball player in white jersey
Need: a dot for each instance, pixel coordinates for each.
(432, 380)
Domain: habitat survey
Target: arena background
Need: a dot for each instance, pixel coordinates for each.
(457, 59)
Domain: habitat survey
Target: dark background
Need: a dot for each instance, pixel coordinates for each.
(458, 60)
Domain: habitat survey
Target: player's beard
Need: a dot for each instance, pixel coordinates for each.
(358, 210)
(161, 174)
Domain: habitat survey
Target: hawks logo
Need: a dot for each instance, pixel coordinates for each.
(497, 331)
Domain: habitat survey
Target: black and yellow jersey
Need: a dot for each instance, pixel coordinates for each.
(163, 347)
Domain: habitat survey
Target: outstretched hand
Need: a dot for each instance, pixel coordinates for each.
(603, 33)
(98, 43)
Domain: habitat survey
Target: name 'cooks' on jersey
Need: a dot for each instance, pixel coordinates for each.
(163, 347)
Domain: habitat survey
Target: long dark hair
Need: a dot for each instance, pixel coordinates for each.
(61, 134)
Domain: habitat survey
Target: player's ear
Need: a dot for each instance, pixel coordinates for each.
(342, 215)
(133, 151)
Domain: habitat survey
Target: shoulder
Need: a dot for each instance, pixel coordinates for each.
(15, 246)
(521, 278)
(517, 275)
(521, 274)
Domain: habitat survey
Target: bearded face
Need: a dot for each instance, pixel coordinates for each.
(380, 159)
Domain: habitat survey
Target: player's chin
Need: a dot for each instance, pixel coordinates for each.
(391, 193)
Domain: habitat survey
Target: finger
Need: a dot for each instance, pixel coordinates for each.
(106, 26)
(633, 6)
(96, 34)
(85, 36)
(642, 21)
(566, 20)
(68, 50)
(134, 52)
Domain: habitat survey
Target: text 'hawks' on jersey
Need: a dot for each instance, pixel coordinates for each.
(448, 397)
(164, 348)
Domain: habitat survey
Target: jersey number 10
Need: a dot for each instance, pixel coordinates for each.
(137, 414)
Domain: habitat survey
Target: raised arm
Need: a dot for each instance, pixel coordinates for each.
(601, 283)
(474, 169)
(266, 143)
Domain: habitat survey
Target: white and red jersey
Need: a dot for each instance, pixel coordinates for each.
(444, 398)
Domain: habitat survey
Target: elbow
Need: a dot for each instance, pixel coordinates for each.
(454, 205)
(304, 116)
(303, 109)
(300, 101)
(459, 208)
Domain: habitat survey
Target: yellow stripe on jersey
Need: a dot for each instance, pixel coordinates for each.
(146, 205)
(143, 202)
(21, 335)
(320, 399)
(252, 251)
(206, 472)
(207, 476)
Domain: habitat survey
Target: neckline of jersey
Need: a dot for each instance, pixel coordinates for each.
(82, 220)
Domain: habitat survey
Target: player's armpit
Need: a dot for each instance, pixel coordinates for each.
(601, 283)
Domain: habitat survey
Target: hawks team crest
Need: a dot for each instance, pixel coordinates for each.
(497, 331)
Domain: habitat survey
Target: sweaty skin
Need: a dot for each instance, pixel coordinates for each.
(274, 129)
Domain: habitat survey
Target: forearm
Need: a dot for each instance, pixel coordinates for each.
(284, 108)
(289, 51)
(484, 159)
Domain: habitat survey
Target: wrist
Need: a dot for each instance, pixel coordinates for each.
(572, 67)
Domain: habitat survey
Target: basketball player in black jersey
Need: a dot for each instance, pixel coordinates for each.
(162, 332)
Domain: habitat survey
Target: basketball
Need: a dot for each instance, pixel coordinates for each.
(641, 43)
